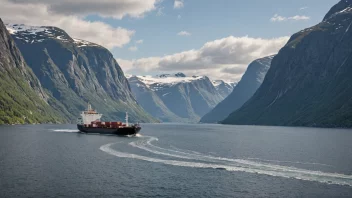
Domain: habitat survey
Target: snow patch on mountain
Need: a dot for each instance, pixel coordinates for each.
(159, 81)
(36, 34)
(15, 28)
(83, 43)
(218, 83)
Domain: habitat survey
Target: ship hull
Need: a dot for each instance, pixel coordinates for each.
(132, 130)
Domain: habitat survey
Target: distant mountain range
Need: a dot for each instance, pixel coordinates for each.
(177, 97)
(246, 87)
(309, 82)
(73, 72)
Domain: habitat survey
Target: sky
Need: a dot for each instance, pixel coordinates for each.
(216, 38)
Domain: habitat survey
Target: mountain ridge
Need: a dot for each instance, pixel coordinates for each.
(308, 83)
(246, 87)
(75, 72)
(177, 97)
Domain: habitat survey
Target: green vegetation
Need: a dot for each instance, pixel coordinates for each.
(19, 104)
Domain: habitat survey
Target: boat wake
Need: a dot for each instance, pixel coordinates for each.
(66, 130)
(187, 158)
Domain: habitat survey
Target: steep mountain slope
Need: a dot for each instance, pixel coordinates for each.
(22, 99)
(76, 72)
(309, 82)
(224, 88)
(151, 102)
(176, 98)
(246, 87)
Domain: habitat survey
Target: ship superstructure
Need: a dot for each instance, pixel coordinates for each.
(90, 115)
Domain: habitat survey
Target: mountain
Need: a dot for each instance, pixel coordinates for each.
(309, 82)
(177, 97)
(244, 90)
(22, 98)
(75, 72)
(224, 88)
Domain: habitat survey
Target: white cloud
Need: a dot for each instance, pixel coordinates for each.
(179, 17)
(178, 4)
(71, 19)
(299, 18)
(133, 48)
(184, 33)
(139, 41)
(278, 18)
(160, 11)
(106, 8)
(303, 8)
(225, 58)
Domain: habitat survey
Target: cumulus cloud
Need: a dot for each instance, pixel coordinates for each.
(52, 13)
(303, 8)
(179, 16)
(226, 58)
(184, 33)
(278, 18)
(106, 8)
(178, 4)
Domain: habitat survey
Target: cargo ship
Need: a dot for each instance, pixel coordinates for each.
(89, 122)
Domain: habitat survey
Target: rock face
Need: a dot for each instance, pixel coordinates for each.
(224, 88)
(22, 98)
(246, 87)
(177, 98)
(309, 82)
(75, 72)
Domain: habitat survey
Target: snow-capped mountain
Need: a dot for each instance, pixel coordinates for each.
(224, 88)
(38, 34)
(163, 81)
(177, 97)
(74, 72)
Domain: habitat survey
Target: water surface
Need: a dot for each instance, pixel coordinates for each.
(174, 160)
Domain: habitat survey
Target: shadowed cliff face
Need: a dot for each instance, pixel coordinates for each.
(177, 98)
(245, 88)
(309, 82)
(22, 99)
(75, 72)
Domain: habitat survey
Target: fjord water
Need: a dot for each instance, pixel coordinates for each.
(176, 160)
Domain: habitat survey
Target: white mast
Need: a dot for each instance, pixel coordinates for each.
(126, 118)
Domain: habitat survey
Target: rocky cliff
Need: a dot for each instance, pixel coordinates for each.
(75, 72)
(22, 98)
(244, 90)
(309, 82)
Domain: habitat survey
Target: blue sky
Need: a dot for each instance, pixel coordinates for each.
(220, 37)
(208, 20)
